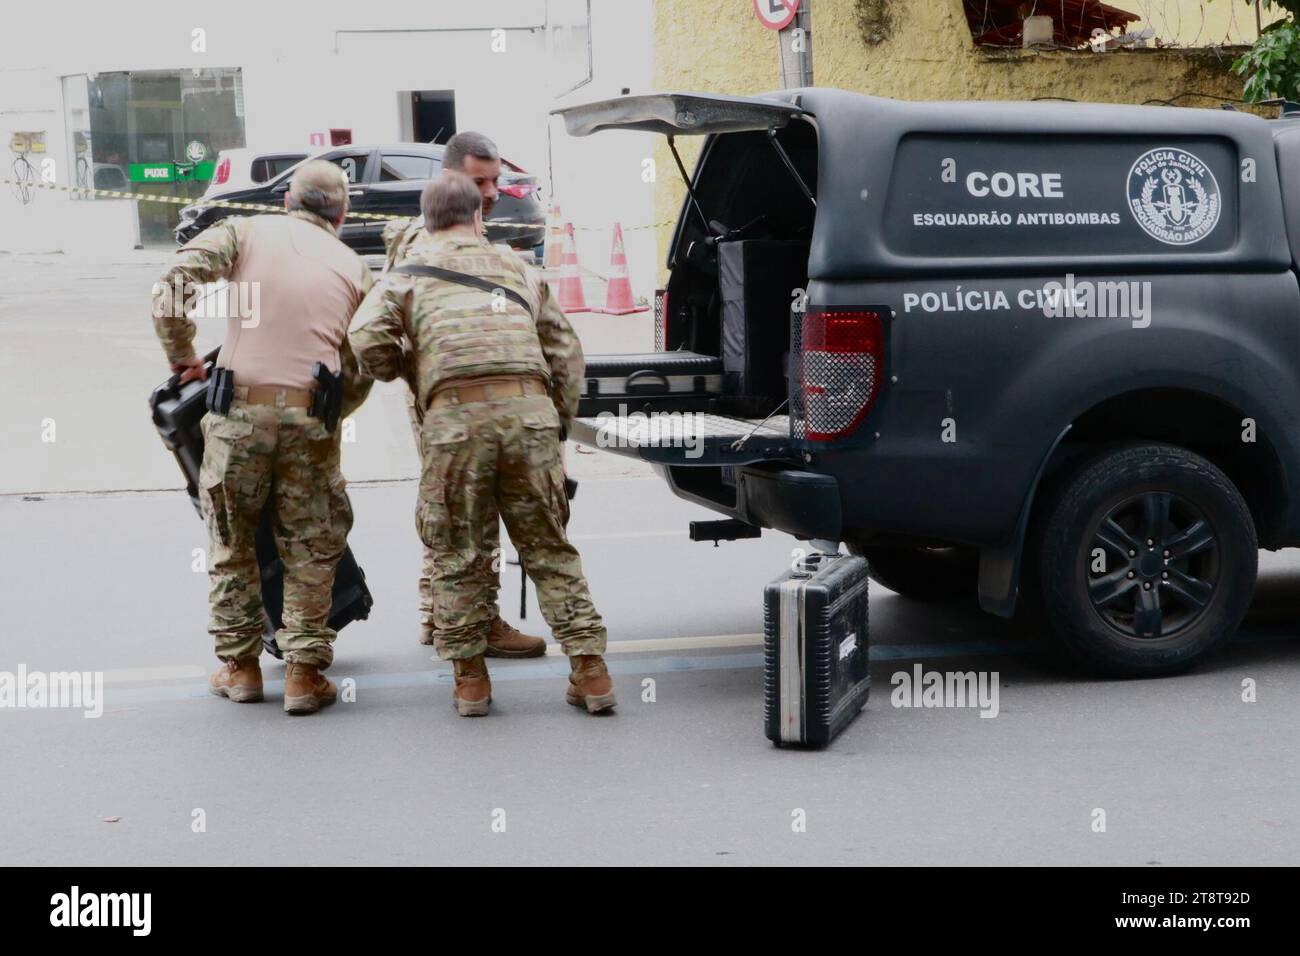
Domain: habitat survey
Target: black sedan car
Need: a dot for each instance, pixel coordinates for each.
(387, 180)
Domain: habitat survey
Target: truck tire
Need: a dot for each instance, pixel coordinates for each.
(924, 574)
(1146, 561)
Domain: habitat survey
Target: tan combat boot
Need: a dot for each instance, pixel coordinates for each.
(306, 689)
(473, 691)
(590, 685)
(238, 680)
(506, 641)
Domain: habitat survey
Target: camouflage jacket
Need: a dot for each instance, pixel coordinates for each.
(398, 236)
(211, 256)
(459, 332)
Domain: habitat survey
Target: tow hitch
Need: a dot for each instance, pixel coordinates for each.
(728, 529)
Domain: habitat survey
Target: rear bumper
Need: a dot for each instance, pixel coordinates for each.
(805, 504)
(802, 503)
(517, 237)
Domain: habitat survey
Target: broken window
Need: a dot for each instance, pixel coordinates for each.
(1002, 22)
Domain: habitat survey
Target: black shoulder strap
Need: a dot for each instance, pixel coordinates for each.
(460, 278)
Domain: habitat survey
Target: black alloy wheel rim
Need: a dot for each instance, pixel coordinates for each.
(1159, 569)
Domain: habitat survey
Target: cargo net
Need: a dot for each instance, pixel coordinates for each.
(661, 319)
(829, 391)
(794, 381)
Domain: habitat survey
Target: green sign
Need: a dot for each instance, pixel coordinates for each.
(171, 172)
(153, 173)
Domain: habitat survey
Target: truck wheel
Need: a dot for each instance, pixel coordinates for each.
(924, 574)
(1146, 561)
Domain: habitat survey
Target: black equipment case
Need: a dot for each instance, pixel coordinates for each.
(177, 411)
(815, 663)
(684, 377)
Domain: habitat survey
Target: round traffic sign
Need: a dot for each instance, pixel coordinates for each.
(776, 14)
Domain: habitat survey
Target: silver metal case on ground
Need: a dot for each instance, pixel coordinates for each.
(816, 673)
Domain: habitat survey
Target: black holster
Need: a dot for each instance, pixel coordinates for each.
(221, 390)
(327, 401)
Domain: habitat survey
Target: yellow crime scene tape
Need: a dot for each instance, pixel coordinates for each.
(88, 192)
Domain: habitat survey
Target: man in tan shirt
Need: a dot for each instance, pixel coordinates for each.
(301, 286)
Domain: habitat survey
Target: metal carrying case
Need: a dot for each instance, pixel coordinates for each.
(688, 377)
(816, 674)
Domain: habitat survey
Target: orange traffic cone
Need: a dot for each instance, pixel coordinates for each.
(554, 239)
(570, 284)
(618, 295)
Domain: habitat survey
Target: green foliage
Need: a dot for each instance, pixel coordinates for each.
(1272, 65)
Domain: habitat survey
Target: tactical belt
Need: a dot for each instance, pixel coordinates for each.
(270, 395)
(485, 389)
(460, 278)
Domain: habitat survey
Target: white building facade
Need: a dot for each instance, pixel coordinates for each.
(114, 102)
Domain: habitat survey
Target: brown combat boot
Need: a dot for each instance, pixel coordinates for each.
(473, 691)
(590, 685)
(238, 680)
(306, 689)
(506, 641)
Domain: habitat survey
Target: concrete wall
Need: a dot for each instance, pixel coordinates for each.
(922, 50)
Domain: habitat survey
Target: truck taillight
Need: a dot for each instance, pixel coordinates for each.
(518, 190)
(841, 363)
(222, 173)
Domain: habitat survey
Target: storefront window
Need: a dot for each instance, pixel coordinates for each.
(152, 131)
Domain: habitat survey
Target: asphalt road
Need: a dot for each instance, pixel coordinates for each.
(1185, 771)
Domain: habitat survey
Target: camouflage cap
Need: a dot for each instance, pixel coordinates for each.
(320, 187)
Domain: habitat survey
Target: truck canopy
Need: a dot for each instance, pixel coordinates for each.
(924, 189)
(958, 188)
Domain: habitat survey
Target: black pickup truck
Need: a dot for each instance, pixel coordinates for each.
(1046, 351)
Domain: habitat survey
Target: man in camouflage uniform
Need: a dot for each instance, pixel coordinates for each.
(309, 285)
(499, 383)
(476, 156)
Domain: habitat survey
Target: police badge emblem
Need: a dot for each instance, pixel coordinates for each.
(1173, 196)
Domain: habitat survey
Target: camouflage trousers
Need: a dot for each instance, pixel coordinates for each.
(426, 564)
(255, 452)
(493, 461)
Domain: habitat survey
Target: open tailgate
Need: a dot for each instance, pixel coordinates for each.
(676, 114)
(688, 438)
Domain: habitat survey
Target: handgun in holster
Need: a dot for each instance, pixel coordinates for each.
(327, 400)
(570, 484)
(221, 390)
